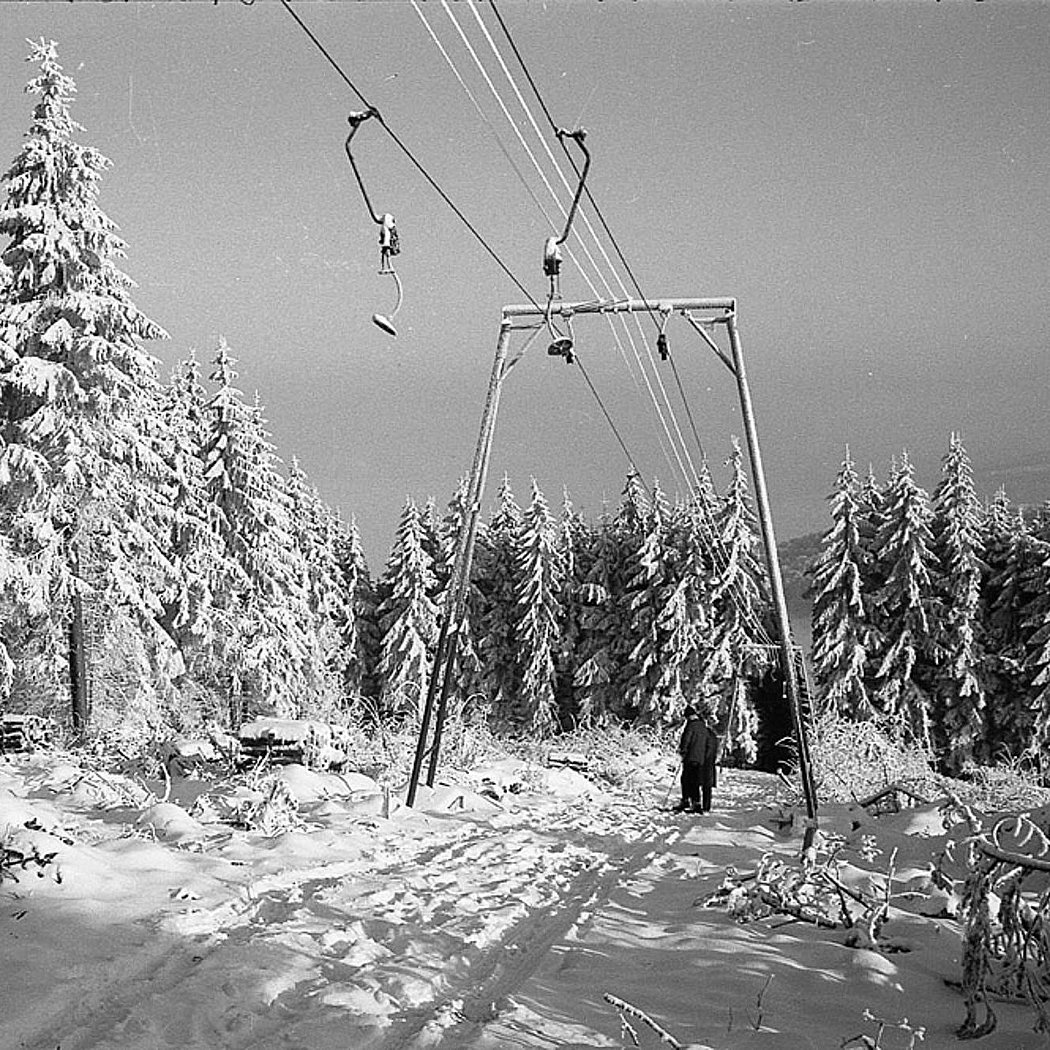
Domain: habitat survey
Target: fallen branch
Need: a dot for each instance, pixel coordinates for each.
(626, 1008)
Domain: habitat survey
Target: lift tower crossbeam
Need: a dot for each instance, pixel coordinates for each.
(723, 311)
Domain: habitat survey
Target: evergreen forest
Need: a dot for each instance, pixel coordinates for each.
(163, 569)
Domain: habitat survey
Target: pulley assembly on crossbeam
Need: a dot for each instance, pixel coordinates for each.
(389, 241)
(561, 342)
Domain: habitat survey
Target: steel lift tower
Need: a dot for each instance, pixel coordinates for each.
(707, 316)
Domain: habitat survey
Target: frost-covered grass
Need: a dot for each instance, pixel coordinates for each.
(854, 760)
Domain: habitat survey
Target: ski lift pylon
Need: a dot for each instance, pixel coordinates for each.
(389, 241)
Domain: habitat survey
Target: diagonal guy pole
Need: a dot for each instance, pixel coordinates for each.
(448, 636)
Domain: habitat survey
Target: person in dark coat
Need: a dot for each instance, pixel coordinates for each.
(699, 750)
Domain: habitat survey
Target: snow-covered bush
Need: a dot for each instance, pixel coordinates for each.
(853, 760)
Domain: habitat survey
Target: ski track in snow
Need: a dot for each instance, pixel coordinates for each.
(409, 945)
(459, 925)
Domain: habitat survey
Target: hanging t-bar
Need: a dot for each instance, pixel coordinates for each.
(389, 241)
(552, 258)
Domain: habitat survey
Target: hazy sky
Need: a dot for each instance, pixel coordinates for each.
(869, 180)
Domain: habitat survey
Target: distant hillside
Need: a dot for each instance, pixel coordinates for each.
(1026, 479)
(796, 556)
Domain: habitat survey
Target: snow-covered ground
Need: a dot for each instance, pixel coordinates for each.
(494, 914)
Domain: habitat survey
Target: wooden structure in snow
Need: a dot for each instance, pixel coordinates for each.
(287, 740)
(24, 732)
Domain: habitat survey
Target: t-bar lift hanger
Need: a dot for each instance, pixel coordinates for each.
(389, 242)
(561, 344)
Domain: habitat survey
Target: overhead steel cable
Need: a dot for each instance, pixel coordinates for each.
(681, 448)
(550, 189)
(480, 111)
(408, 153)
(715, 541)
(546, 182)
(572, 160)
(444, 196)
(598, 212)
(605, 226)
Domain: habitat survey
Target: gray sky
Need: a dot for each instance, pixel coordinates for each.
(869, 180)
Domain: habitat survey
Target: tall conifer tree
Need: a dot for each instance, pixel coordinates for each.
(958, 522)
(575, 539)
(273, 659)
(84, 489)
(598, 596)
(360, 635)
(906, 605)
(407, 619)
(497, 580)
(1035, 625)
(739, 605)
(841, 633)
(660, 624)
(540, 577)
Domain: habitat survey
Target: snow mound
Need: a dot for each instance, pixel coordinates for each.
(307, 785)
(567, 783)
(357, 782)
(452, 798)
(171, 823)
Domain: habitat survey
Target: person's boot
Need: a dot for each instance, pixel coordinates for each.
(681, 807)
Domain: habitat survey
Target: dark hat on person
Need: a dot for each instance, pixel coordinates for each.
(689, 711)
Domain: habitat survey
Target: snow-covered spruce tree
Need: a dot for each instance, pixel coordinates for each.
(361, 639)
(317, 533)
(497, 581)
(468, 675)
(273, 659)
(597, 600)
(84, 490)
(740, 603)
(1010, 556)
(407, 619)
(628, 533)
(575, 539)
(696, 542)
(907, 606)
(841, 633)
(1035, 625)
(191, 616)
(660, 624)
(958, 541)
(539, 586)
(871, 503)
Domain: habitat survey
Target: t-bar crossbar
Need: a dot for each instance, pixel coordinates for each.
(616, 306)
